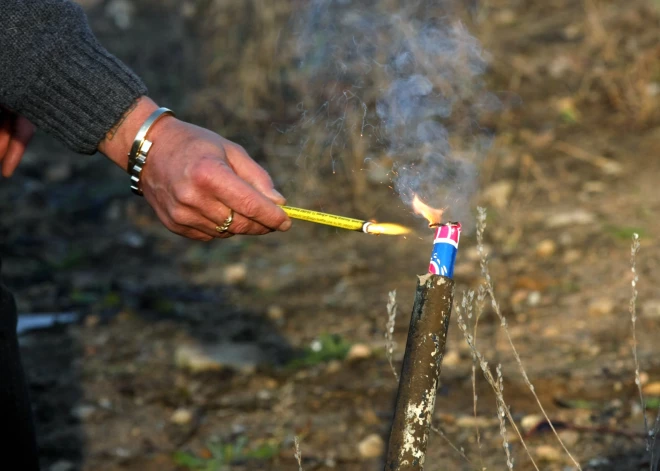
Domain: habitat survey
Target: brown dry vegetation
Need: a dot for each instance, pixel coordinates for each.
(571, 174)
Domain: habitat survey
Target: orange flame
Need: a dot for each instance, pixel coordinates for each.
(432, 215)
(386, 229)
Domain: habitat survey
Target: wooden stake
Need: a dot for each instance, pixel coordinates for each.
(420, 374)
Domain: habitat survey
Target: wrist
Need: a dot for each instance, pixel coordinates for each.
(137, 157)
(119, 140)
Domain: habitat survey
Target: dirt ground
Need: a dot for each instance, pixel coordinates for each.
(192, 356)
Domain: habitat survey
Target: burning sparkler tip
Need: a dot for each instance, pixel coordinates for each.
(386, 229)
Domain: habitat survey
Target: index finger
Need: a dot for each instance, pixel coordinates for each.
(243, 198)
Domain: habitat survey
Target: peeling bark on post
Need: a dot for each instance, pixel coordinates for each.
(420, 373)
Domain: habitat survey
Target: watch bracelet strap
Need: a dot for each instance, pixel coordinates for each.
(142, 133)
(137, 157)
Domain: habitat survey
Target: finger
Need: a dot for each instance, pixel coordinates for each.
(243, 225)
(195, 206)
(253, 173)
(237, 194)
(185, 218)
(194, 233)
(211, 222)
(239, 225)
(181, 229)
(23, 132)
(6, 127)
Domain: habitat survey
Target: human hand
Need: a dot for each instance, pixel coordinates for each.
(193, 177)
(15, 134)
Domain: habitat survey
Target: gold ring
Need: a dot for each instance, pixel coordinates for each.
(226, 224)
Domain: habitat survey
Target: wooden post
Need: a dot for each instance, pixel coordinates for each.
(420, 373)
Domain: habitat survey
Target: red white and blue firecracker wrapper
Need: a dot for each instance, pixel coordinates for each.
(445, 246)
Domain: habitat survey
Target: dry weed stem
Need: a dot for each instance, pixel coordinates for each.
(389, 330)
(297, 453)
(481, 227)
(498, 389)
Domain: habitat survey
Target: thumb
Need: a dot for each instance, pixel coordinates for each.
(253, 173)
(6, 130)
(23, 132)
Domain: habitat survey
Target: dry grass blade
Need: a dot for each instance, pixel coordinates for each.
(634, 249)
(498, 389)
(481, 300)
(460, 451)
(297, 453)
(481, 227)
(502, 409)
(389, 330)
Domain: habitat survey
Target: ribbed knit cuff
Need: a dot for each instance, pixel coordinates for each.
(79, 100)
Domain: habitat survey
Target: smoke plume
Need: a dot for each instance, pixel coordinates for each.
(406, 76)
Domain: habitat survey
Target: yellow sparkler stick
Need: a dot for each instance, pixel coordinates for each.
(343, 222)
(324, 218)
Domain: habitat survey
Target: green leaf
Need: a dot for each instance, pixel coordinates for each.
(264, 451)
(579, 404)
(625, 232)
(652, 402)
(328, 347)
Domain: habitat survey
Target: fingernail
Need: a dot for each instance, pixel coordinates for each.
(285, 226)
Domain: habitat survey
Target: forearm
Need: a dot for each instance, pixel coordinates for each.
(54, 72)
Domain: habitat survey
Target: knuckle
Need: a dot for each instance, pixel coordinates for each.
(249, 227)
(240, 227)
(250, 206)
(238, 148)
(200, 173)
(184, 194)
(179, 215)
(174, 227)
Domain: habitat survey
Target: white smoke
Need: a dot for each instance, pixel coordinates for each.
(411, 72)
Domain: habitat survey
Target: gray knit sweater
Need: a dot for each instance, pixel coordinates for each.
(54, 72)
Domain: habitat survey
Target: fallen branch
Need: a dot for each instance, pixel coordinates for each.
(608, 166)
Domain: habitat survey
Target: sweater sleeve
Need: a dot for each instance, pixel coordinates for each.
(54, 72)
